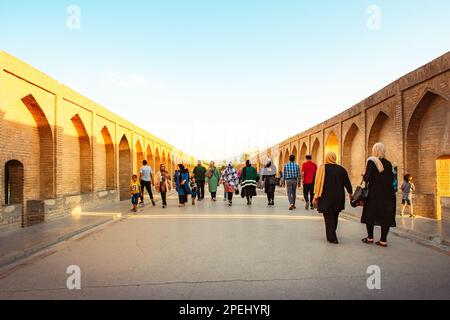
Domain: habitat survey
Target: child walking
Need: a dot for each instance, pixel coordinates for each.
(193, 186)
(407, 190)
(135, 192)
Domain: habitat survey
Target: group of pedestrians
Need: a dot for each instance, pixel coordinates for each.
(324, 188)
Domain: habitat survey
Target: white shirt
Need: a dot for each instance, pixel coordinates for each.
(146, 172)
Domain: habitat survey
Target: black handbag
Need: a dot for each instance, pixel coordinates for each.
(237, 192)
(272, 181)
(360, 195)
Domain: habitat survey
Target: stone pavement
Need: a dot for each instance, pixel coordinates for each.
(428, 232)
(19, 244)
(212, 251)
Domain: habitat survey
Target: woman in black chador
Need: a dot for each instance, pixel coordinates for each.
(331, 180)
(380, 207)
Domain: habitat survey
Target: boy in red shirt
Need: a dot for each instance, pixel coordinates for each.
(309, 170)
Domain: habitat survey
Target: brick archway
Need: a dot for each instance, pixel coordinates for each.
(428, 134)
(46, 163)
(139, 157)
(332, 145)
(303, 153)
(109, 160)
(85, 155)
(125, 168)
(353, 154)
(316, 152)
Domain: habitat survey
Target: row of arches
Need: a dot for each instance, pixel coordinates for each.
(36, 153)
(426, 156)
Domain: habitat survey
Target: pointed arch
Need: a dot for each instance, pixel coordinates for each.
(429, 122)
(125, 168)
(46, 146)
(85, 155)
(303, 153)
(139, 156)
(377, 129)
(332, 144)
(353, 153)
(157, 159)
(295, 153)
(316, 152)
(149, 157)
(110, 166)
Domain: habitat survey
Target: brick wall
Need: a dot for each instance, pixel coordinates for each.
(411, 116)
(68, 145)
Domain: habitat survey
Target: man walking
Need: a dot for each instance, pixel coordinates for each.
(309, 170)
(292, 179)
(200, 178)
(146, 178)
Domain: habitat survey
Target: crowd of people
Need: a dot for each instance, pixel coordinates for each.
(324, 188)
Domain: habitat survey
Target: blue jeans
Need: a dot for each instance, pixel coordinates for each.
(291, 185)
(135, 199)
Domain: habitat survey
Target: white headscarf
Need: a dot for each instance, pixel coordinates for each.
(271, 171)
(378, 153)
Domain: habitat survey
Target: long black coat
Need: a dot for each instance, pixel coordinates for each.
(380, 207)
(333, 194)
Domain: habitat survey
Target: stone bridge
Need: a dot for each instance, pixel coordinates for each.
(60, 152)
(411, 116)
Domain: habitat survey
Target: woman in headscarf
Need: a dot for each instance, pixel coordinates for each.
(249, 177)
(331, 180)
(163, 183)
(380, 207)
(182, 183)
(212, 179)
(231, 182)
(270, 182)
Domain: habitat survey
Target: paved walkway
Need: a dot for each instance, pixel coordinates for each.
(18, 244)
(422, 230)
(212, 251)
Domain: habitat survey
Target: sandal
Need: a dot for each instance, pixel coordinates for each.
(381, 244)
(367, 241)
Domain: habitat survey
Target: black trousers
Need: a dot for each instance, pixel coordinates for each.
(164, 198)
(183, 199)
(201, 189)
(146, 185)
(308, 192)
(230, 196)
(384, 232)
(213, 195)
(271, 196)
(331, 225)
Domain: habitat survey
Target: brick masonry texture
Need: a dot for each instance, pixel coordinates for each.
(411, 116)
(61, 152)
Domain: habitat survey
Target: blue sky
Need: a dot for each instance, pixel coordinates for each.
(213, 77)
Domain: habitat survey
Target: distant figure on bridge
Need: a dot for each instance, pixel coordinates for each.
(135, 192)
(292, 179)
(269, 174)
(213, 178)
(329, 199)
(231, 182)
(163, 183)
(146, 178)
(249, 178)
(407, 190)
(182, 183)
(309, 170)
(380, 207)
(200, 178)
